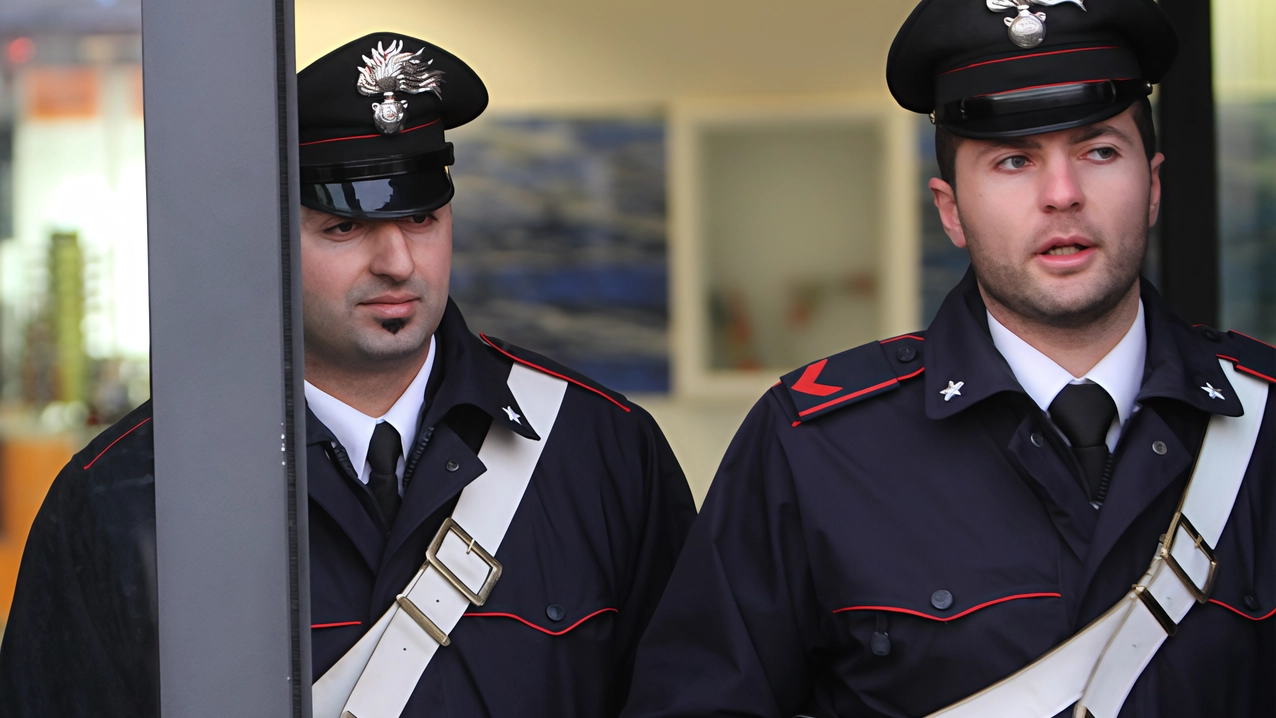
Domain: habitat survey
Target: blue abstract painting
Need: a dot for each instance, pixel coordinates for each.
(559, 231)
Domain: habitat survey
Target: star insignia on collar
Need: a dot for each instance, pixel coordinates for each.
(513, 415)
(952, 390)
(1214, 393)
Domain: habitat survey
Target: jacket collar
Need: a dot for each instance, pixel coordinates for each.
(959, 349)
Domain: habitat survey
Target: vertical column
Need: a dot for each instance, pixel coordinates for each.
(219, 83)
(1189, 199)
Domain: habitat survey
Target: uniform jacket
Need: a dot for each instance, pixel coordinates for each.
(871, 549)
(585, 558)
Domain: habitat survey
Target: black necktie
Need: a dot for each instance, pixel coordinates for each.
(1083, 412)
(383, 456)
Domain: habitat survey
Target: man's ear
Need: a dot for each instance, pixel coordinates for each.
(946, 203)
(1154, 192)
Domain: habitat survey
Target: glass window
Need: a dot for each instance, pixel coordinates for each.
(1245, 106)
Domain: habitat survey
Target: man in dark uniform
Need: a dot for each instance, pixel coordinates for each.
(403, 404)
(905, 524)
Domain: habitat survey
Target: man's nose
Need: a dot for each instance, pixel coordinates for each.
(1062, 189)
(392, 257)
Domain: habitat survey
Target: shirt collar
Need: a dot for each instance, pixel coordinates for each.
(353, 429)
(1119, 372)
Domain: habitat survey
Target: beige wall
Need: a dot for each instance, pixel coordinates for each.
(599, 52)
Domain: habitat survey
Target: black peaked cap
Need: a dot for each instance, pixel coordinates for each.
(354, 165)
(957, 59)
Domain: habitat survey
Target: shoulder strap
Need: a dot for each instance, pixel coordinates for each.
(1094, 670)
(376, 677)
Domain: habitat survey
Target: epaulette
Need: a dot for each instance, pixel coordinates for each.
(853, 375)
(542, 363)
(1250, 355)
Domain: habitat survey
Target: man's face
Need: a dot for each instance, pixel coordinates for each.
(373, 290)
(1056, 224)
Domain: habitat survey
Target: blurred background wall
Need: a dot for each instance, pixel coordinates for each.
(682, 199)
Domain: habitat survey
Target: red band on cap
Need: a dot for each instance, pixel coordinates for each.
(365, 137)
(1035, 54)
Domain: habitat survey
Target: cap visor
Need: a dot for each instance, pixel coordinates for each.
(402, 195)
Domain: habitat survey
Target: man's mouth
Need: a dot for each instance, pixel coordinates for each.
(1062, 251)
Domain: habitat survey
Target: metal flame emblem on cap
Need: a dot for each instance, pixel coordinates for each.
(392, 70)
(1028, 29)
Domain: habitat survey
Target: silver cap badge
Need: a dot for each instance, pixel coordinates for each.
(1028, 29)
(392, 70)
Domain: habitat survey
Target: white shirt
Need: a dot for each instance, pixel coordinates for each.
(1120, 372)
(353, 428)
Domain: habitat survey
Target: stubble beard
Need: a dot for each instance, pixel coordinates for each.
(360, 345)
(1012, 286)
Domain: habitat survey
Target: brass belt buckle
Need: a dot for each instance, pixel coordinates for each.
(1201, 593)
(494, 566)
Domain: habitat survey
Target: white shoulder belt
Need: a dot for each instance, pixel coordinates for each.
(1096, 668)
(376, 677)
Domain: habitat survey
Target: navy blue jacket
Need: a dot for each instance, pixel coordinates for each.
(585, 558)
(870, 549)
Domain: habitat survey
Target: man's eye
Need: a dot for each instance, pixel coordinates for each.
(1017, 162)
(342, 228)
(419, 218)
(1103, 153)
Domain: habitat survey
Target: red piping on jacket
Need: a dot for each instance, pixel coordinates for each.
(861, 392)
(551, 373)
(335, 625)
(1260, 341)
(1245, 369)
(524, 621)
(1035, 54)
(113, 443)
(901, 336)
(1246, 615)
(363, 137)
(945, 619)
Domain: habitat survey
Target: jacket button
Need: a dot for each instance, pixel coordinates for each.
(905, 354)
(1159, 448)
(1212, 335)
(1037, 440)
(880, 644)
(452, 465)
(555, 612)
(1250, 602)
(941, 599)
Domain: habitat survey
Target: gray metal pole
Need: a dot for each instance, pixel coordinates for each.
(221, 171)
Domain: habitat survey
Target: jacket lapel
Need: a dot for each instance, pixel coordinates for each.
(331, 489)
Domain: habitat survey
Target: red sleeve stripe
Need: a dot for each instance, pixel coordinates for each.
(526, 622)
(945, 619)
(901, 336)
(1246, 369)
(113, 443)
(1241, 613)
(336, 625)
(1035, 54)
(362, 137)
(537, 367)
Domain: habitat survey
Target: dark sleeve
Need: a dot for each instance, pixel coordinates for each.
(667, 514)
(80, 639)
(731, 635)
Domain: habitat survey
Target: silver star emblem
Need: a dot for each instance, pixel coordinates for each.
(1214, 393)
(513, 415)
(952, 390)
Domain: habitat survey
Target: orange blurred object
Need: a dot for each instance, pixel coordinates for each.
(27, 468)
(62, 93)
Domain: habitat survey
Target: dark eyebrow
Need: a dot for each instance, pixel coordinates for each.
(1085, 134)
(1013, 143)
